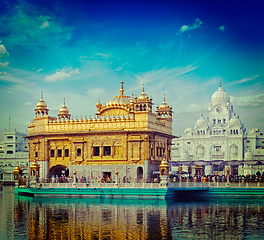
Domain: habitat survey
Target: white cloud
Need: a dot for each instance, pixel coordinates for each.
(245, 79)
(248, 101)
(3, 73)
(197, 23)
(221, 28)
(24, 25)
(3, 51)
(45, 24)
(39, 69)
(28, 104)
(4, 64)
(60, 75)
(102, 55)
(163, 74)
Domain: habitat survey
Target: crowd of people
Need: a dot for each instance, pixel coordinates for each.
(223, 178)
(173, 178)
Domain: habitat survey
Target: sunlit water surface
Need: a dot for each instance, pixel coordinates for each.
(94, 218)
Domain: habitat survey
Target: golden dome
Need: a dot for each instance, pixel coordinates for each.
(41, 104)
(98, 104)
(17, 167)
(142, 96)
(122, 99)
(164, 105)
(64, 109)
(34, 164)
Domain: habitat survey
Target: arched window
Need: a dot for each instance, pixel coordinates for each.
(234, 149)
(237, 131)
(79, 152)
(200, 150)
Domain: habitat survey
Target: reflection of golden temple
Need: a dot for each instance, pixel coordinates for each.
(125, 136)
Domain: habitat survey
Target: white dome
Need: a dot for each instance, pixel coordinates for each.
(220, 96)
(234, 121)
(188, 130)
(201, 122)
(249, 155)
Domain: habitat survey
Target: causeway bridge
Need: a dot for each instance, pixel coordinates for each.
(142, 190)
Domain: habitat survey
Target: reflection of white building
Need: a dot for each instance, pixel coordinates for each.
(220, 142)
(13, 151)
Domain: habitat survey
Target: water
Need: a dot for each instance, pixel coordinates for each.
(73, 218)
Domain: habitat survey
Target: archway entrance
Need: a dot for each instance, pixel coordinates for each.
(59, 170)
(198, 170)
(139, 173)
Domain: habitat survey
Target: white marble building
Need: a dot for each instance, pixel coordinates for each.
(220, 142)
(13, 151)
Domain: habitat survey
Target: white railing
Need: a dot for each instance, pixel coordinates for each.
(154, 185)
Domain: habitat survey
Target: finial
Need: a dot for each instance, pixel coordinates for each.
(64, 101)
(220, 83)
(164, 98)
(201, 114)
(143, 88)
(41, 95)
(122, 88)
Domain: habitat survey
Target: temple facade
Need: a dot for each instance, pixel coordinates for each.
(220, 143)
(126, 138)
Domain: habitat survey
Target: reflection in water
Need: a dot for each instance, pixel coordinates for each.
(73, 218)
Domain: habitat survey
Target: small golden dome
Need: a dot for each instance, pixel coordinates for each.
(98, 104)
(64, 109)
(17, 167)
(164, 105)
(143, 95)
(41, 104)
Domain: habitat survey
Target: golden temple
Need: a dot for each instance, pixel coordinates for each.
(126, 135)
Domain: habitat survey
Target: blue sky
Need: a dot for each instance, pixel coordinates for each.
(77, 49)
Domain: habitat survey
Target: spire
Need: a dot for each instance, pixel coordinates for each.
(121, 87)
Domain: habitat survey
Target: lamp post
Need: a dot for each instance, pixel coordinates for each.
(227, 172)
(74, 178)
(16, 175)
(116, 172)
